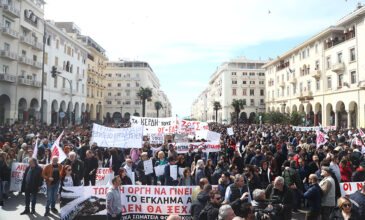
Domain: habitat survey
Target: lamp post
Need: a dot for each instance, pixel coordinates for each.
(42, 76)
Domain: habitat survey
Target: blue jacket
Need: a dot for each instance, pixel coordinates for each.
(313, 196)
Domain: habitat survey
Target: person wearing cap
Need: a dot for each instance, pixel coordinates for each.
(328, 192)
(359, 174)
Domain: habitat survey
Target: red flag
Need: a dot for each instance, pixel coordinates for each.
(56, 150)
(321, 139)
(361, 132)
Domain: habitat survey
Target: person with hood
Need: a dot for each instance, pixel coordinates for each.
(211, 210)
(200, 202)
(292, 179)
(31, 184)
(313, 196)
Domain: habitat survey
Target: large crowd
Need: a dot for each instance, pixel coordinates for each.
(262, 171)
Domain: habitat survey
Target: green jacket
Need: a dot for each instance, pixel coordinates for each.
(292, 176)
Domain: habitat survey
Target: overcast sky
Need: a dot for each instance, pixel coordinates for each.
(185, 41)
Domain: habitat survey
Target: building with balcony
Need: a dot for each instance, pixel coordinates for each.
(69, 56)
(236, 79)
(123, 81)
(322, 78)
(95, 77)
(21, 46)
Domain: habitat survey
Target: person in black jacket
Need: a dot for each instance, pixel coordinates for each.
(284, 195)
(115, 161)
(77, 168)
(344, 210)
(200, 202)
(67, 179)
(359, 174)
(32, 183)
(211, 210)
(91, 165)
(314, 197)
(4, 176)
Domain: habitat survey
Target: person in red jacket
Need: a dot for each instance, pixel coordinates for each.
(345, 170)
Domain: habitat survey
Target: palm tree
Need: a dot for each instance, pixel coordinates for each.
(158, 106)
(216, 107)
(237, 105)
(144, 94)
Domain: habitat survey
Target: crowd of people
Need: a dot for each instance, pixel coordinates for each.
(261, 172)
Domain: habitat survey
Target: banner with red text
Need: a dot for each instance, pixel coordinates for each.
(103, 177)
(16, 178)
(350, 187)
(138, 202)
(183, 148)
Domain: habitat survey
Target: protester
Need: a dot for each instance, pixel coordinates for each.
(200, 202)
(77, 167)
(224, 182)
(187, 179)
(198, 189)
(113, 200)
(67, 179)
(4, 177)
(359, 174)
(199, 173)
(46, 159)
(52, 174)
(169, 180)
(235, 190)
(226, 213)
(211, 210)
(358, 199)
(313, 196)
(91, 165)
(32, 183)
(327, 185)
(122, 173)
(344, 211)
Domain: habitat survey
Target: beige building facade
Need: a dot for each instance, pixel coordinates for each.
(238, 78)
(21, 48)
(323, 78)
(123, 81)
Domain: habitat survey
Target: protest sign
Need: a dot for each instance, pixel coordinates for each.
(173, 172)
(321, 139)
(117, 137)
(155, 125)
(160, 170)
(230, 131)
(104, 176)
(182, 148)
(181, 171)
(157, 138)
(16, 178)
(138, 202)
(148, 167)
(197, 125)
(350, 187)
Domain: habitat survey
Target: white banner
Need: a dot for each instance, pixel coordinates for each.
(196, 125)
(325, 128)
(157, 138)
(156, 125)
(138, 202)
(117, 137)
(350, 187)
(208, 135)
(183, 148)
(104, 176)
(16, 178)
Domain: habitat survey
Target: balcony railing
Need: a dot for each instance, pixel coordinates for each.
(293, 80)
(78, 77)
(8, 55)
(338, 67)
(7, 77)
(11, 10)
(37, 64)
(316, 74)
(25, 60)
(26, 40)
(29, 82)
(10, 32)
(36, 45)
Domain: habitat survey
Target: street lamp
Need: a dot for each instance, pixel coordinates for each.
(54, 75)
(284, 107)
(42, 88)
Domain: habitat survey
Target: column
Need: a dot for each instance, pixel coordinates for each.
(337, 116)
(316, 119)
(349, 119)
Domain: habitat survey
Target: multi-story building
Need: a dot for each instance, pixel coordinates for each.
(237, 79)
(322, 78)
(21, 35)
(123, 81)
(66, 92)
(96, 58)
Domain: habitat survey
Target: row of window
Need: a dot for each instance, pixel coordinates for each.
(66, 49)
(250, 74)
(340, 81)
(120, 84)
(119, 75)
(92, 93)
(124, 103)
(252, 92)
(234, 82)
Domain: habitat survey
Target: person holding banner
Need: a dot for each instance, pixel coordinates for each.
(122, 173)
(32, 183)
(160, 162)
(51, 173)
(145, 179)
(171, 175)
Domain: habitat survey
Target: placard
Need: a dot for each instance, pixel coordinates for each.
(230, 131)
(155, 125)
(160, 170)
(173, 172)
(148, 167)
(157, 138)
(182, 148)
